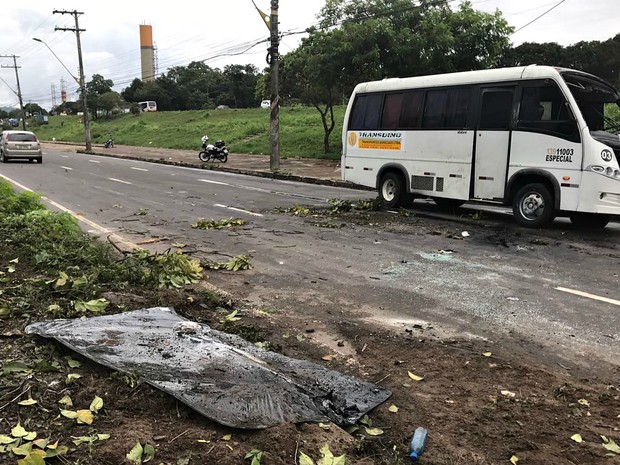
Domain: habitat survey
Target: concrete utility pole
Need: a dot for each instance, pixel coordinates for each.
(19, 90)
(274, 61)
(77, 31)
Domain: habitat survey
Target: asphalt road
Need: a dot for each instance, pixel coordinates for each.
(554, 294)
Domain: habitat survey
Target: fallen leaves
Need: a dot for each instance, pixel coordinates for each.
(577, 438)
(415, 377)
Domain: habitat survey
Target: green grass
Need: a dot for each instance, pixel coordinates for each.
(244, 130)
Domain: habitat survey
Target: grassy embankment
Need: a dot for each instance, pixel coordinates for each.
(244, 130)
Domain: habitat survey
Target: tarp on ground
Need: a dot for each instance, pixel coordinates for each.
(220, 375)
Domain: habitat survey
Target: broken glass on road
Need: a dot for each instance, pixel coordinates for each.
(220, 375)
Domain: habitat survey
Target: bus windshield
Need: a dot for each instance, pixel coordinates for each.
(597, 100)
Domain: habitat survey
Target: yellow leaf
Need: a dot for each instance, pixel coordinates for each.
(30, 436)
(304, 459)
(41, 443)
(53, 446)
(18, 431)
(227, 437)
(327, 358)
(4, 439)
(229, 446)
(415, 377)
(66, 400)
(514, 459)
(103, 437)
(96, 404)
(374, 431)
(203, 441)
(393, 408)
(69, 414)
(85, 416)
(28, 402)
(508, 393)
(583, 402)
(577, 438)
(324, 426)
(487, 354)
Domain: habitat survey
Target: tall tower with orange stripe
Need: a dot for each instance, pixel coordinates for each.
(147, 52)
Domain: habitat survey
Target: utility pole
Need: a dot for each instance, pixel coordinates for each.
(19, 91)
(274, 60)
(77, 31)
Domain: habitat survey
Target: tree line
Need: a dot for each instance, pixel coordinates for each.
(360, 41)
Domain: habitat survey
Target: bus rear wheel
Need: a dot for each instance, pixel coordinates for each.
(589, 220)
(533, 206)
(391, 190)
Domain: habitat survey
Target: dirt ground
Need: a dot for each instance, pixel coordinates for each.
(481, 405)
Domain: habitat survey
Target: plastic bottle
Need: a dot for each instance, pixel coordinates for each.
(418, 441)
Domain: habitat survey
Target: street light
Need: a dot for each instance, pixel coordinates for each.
(80, 82)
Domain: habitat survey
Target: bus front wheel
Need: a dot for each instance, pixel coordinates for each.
(533, 206)
(391, 190)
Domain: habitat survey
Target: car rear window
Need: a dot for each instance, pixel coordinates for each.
(21, 137)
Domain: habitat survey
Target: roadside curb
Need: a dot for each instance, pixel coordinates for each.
(261, 174)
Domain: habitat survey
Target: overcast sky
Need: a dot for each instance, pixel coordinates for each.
(185, 31)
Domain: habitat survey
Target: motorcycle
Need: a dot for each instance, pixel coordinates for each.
(212, 152)
(109, 144)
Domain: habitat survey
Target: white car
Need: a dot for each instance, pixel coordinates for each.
(22, 145)
(265, 104)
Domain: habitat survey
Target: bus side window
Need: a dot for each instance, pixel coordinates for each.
(413, 103)
(545, 109)
(446, 109)
(366, 113)
(391, 111)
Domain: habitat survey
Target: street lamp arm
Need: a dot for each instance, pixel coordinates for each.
(60, 61)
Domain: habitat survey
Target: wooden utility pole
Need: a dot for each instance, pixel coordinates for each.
(19, 90)
(77, 31)
(274, 61)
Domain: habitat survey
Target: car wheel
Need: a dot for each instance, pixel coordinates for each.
(391, 190)
(533, 206)
(589, 220)
(39, 160)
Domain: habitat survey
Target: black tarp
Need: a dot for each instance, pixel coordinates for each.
(220, 375)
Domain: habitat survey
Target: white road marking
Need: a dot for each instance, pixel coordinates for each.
(94, 161)
(65, 156)
(589, 296)
(92, 224)
(214, 182)
(67, 168)
(138, 169)
(236, 209)
(119, 180)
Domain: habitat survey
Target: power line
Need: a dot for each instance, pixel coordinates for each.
(540, 16)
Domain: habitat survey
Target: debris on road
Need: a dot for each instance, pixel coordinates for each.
(220, 375)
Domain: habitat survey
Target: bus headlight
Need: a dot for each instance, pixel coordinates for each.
(608, 171)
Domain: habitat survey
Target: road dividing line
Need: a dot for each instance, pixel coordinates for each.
(66, 168)
(214, 182)
(119, 180)
(112, 237)
(589, 296)
(65, 156)
(237, 209)
(94, 161)
(138, 169)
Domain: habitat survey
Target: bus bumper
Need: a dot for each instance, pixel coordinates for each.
(599, 194)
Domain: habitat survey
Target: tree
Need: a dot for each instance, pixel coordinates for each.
(111, 101)
(94, 90)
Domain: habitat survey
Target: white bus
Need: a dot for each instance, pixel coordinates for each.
(149, 105)
(534, 137)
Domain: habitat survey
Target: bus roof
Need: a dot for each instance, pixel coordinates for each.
(463, 78)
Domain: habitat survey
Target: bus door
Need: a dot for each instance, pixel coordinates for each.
(492, 145)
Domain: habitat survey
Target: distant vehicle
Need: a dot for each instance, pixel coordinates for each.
(149, 105)
(22, 145)
(13, 122)
(265, 104)
(222, 107)
(42, 119)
